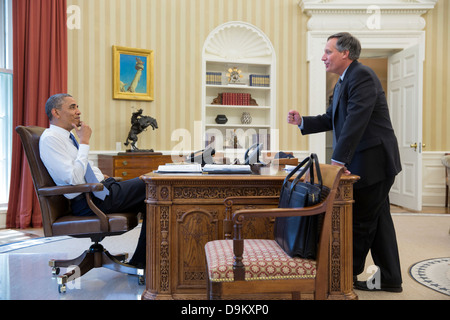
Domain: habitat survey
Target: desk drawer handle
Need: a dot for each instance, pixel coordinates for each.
(125, 163)
(124, 173)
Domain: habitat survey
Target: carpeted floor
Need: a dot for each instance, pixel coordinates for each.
(420, 237)
(8, 236)
(26, 275)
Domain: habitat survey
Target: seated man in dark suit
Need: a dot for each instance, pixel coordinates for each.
(66, 160)
(364, 142)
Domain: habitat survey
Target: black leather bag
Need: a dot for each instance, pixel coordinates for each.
(298, 236)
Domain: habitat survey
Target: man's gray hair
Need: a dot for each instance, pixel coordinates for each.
(55, 102)
(347, 42)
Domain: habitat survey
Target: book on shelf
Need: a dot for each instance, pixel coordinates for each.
(236, 99)
(256, 80)
(214, 78)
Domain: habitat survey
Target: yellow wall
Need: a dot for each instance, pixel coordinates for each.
(436, 113)
(176, 31)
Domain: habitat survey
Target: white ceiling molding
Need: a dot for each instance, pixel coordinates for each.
(352, 15)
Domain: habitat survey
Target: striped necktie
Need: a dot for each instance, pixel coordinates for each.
(90, 175)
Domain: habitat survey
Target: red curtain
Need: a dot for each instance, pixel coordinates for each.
(40, 70)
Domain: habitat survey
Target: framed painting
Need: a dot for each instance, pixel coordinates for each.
(133, 74)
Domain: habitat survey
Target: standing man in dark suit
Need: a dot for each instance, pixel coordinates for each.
(364, 142)
(66, 160)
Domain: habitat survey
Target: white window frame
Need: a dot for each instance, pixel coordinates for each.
(6, 100)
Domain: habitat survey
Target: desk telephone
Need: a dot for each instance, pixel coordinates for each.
(202, 157)
(253, 157)
(205, 156)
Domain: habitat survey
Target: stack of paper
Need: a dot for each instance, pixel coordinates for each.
(180, 168)
(208, 168)
(289, 168)
(227, 168)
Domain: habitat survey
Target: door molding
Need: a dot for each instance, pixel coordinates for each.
(366, 14)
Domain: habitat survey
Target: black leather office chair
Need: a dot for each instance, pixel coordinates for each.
(58, 220)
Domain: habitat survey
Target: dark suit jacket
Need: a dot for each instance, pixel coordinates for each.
(365, 139)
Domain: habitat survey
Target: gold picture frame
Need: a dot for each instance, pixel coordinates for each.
(133, 77)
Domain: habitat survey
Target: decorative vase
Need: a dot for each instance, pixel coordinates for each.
(221, 119)
(246, 118)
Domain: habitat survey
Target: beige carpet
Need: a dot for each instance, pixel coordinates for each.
(10, 236)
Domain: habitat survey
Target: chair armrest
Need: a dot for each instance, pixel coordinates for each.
(61, 190)
(251, 200)
(86, 188)
(240, 215)
(104, 220)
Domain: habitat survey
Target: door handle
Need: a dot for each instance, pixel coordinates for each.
(414, 146)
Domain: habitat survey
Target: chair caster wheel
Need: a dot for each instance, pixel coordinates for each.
(55, 271)
(62, 288)
(141, 280)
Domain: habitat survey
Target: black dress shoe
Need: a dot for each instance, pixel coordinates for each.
(362, 285)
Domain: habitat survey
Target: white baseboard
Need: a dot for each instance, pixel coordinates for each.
(433, 176)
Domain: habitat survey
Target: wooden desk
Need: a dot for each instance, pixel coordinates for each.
(184, 212)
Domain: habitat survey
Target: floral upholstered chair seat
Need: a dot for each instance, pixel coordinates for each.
(263, 260)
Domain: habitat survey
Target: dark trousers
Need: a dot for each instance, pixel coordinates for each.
(124, 196)
(373, 229)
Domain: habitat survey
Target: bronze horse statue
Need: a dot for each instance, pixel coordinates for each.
(139, 123)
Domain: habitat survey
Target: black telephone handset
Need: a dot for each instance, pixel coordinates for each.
(202, 157)
(252, 158)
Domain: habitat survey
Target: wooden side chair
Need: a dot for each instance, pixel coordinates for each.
(58, 220)
(239, 268)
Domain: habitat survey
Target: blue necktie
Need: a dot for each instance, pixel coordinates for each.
(90, 175)
(336, 94)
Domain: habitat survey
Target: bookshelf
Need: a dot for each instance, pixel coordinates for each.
(246, 107)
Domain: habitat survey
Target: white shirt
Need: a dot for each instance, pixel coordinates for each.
(65, 163)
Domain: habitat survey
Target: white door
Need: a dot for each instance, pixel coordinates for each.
(405, 87)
